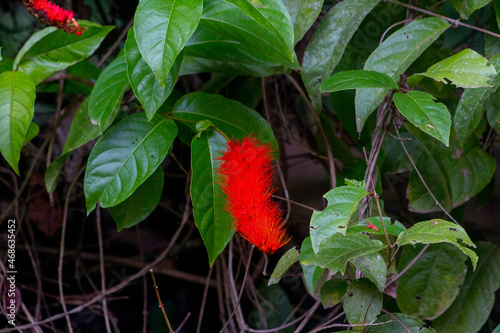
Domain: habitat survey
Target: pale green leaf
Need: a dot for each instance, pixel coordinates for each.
(362, 302)
(303, 14)
(373, 267)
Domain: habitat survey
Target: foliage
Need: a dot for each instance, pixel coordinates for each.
(410, 105)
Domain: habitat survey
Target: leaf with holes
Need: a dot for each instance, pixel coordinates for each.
(17, 103)
(325, 49)
(439, 231)
(422, 111)
(124, 157)
(393, 57)
(213, 221)
(362, 302)
(162, 29)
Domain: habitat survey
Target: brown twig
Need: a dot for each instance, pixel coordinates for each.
(101, 268)
(160, 304)
(414, 260)
(203, 301)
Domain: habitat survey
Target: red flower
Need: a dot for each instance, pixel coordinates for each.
(246, 172)
(372, 226)
(53, 15)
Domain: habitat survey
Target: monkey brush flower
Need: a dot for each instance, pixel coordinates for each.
(246, 172)
(53, 15)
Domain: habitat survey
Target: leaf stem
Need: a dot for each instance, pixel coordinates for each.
(160, 303)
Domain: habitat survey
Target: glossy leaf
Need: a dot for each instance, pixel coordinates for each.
(413, 324)
(453, 175)
(51, 50)
(439, 231)
(141, 203)
(373, 268)
(235, 119)
(470, 109)
(17, 101)
(357, 79)
(106, 97)
(303, 14)
(362, 302)
(393, 229)
(213, 221)
(431, 284)
(466, 69)
(325, 49)
(286, 261)
(124, 157)
(467, 7)
(332, 292)
(422, 111)
(273, 16)
(476, 298)
(144, 83)
(393, 57)
(162, 29)
(336, 251)
(342, 203)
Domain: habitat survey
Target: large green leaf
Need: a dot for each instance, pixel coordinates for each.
(466, 69)
(235, 119)
(213, 221)
(52, 50)
(357, 79)
(453, 175)
(422, 111)
(470, 109)
(431, 284)
(329, 41)
(362, 302)
(124, 157)
(274, 17)
(162, 29)
(466, 7)
(342, 203)
(303, 14)
(141, 203)
(144, 83)
(17, 102)
(373, 267)
(413, 324)
(393, 57)
(286, 261)
(476, 298)
(336, 251)
(438, 231)
(106, 97)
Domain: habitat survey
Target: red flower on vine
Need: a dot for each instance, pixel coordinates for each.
(246, 173)
(53, 15)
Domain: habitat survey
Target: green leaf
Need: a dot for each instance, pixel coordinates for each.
(413, 324)
(439, 231)
(194, 65)
(422, 111)
(453, 175)
(373, 267)
(497, 329)
(466, 69)
(17, 102)
(470, 109)
(476, 298)
(467, 7)
(82, 130)
(286, 261)
(362, 302)
(325, 49)
(431, 283)
(493, 111)
(51, 50)
(124, 157)
(235, 119)
(141, 203)
(392, 229)
(213, 221)
(313, 275)
(144, 83)
(336, 251)
(106, 97)
(393, 57)
(53, 170)
(303, 14)
(162, 29)
(357, 79)
(342, 203)
(332, 292)
(32, 132)
(274, 17)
